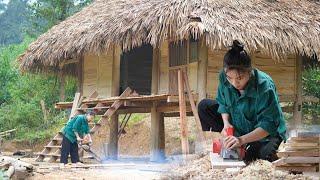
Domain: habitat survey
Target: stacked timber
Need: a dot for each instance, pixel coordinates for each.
(300, 154)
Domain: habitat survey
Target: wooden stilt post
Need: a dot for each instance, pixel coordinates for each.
(183, 116)
(114, 120)
(157, 134)
(297, 114)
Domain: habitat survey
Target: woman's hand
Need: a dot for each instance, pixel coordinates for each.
(231, 142)
(224, 130)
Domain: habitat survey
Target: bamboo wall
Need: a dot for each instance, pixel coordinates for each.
(97, 74)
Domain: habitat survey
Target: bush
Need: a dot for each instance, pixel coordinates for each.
(311, 87)
(20, 96)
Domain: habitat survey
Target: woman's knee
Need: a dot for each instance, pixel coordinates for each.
(204, 104)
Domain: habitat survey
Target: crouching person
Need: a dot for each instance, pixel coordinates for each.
(247, 100)
(75, 130)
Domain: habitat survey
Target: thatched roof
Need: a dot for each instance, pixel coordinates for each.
(277, 27)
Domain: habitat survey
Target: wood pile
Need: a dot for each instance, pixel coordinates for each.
(300, 154)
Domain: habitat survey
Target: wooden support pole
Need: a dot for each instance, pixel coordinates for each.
(114, 120)
(157, 132)
(62, 85)
(202, 71)
(297, 113)
(113, 138)
(200, 134)
(183, 116)
(80, 75)
(44, 111)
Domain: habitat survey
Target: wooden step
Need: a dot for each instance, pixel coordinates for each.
(49, 155)
(57, 146)
(57, 139)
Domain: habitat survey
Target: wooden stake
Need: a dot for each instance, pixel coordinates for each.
(183, 116)
(193, 107)
(44, 111)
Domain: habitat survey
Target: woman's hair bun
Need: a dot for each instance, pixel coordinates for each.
(237, 46)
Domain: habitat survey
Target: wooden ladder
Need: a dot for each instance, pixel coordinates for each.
(53, 148)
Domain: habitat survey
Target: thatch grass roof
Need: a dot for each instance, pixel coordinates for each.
(277, 27)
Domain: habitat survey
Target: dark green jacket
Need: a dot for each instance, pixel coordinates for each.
(257, 107)
(77, 124)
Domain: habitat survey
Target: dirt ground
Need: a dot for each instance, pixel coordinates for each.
(134, 164)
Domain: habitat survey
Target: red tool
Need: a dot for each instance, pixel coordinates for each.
(217, 147)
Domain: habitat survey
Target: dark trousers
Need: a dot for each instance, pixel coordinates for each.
(69, 148)
(211, 120)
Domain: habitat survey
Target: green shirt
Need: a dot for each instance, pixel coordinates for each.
(77, 124)
(257, 107)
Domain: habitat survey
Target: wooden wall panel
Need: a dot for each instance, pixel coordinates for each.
(164, 68)
(105, 74)
(90, 74)
(193, 76)
(282, 72)
(215, 63)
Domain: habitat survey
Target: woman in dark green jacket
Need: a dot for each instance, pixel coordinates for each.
(73, 133)
(246, 100)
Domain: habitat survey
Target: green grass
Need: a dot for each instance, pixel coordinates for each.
(134, 119)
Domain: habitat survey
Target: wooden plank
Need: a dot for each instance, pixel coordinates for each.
(303, 139)
(183, 119)
(75, 105)
(202, 72)
(300, 148)
(219, 163)
(307, 153)
(297, 168)
(302, 144)
(302, 160)
(8, 131)
(116, 71)
(164, 68)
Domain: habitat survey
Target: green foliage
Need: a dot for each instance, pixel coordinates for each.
(134, 119)
(13, 21)
(21, 96)
(311, 87)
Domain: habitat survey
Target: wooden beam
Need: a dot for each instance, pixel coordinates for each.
(297, 113)
(167, 109)
(202, 71)
(66, 62)
(62, 81)
(134, 110)
(157, 134)
(75, 105)
(176, 114)
(114, 120)
(113, 140)
(80, 75)
(183, 118)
